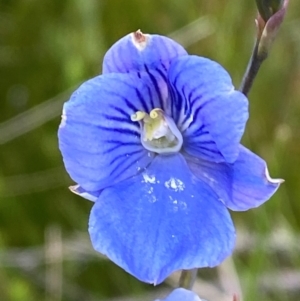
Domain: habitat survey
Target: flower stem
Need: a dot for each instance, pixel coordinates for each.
(252, 69)
(187, 278)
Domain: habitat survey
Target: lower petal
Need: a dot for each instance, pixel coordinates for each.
(161, 221)
(243, 185)
(181, 294)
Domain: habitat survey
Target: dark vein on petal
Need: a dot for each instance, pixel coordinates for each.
(123, 157)
(180, 103)
(120, 142)
(173, 99)
(129, 164)
(156, 87)
(139, 95)
(179, 98)
(203, 149)
(121, 111)
(196, 113)
(176, 99)
(164, 67)
(115, 118)
(199, 131)
(127, 102)
(207, 142)
(151, 98)
(112, 148)
(142, 100)
(163, 75)
(186, 108)
(191, 96)
(119, 130)
(180, 72)
(174, 81)
(196, 99)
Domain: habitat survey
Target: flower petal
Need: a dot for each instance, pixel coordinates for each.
(181, 294)
(99, 142)
(161, 221)
(212, 115)
(140, 52)
(243, 185)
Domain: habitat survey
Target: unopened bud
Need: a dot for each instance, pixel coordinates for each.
(267, 29)
(267, 8)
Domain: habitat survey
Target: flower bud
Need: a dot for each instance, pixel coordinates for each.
(267, 8)
(267, 29)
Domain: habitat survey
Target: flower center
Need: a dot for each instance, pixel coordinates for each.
(159, 132)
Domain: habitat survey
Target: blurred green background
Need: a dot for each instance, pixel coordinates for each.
(46, 49)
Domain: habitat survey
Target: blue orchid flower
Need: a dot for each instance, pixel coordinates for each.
(181, 294)
(155, 142)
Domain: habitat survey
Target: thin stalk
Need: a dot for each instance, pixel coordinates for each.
(252, 69)
(187, 278)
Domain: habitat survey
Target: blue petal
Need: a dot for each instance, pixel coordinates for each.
(243, 185)
(139, 52)
(211, 114)
(99, 142)
(181, 294)
(161, 221)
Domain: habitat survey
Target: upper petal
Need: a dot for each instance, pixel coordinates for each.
(161, 221)
(243, 185)
(211, 114)
(139, 52)
(99, 142)
(181, 294)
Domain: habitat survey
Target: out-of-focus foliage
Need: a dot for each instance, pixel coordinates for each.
(50, 46)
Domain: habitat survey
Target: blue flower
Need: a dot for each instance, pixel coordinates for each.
(155, 142)
(181, 294)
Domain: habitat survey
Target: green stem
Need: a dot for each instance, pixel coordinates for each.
(252, 69)
(187, 278)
